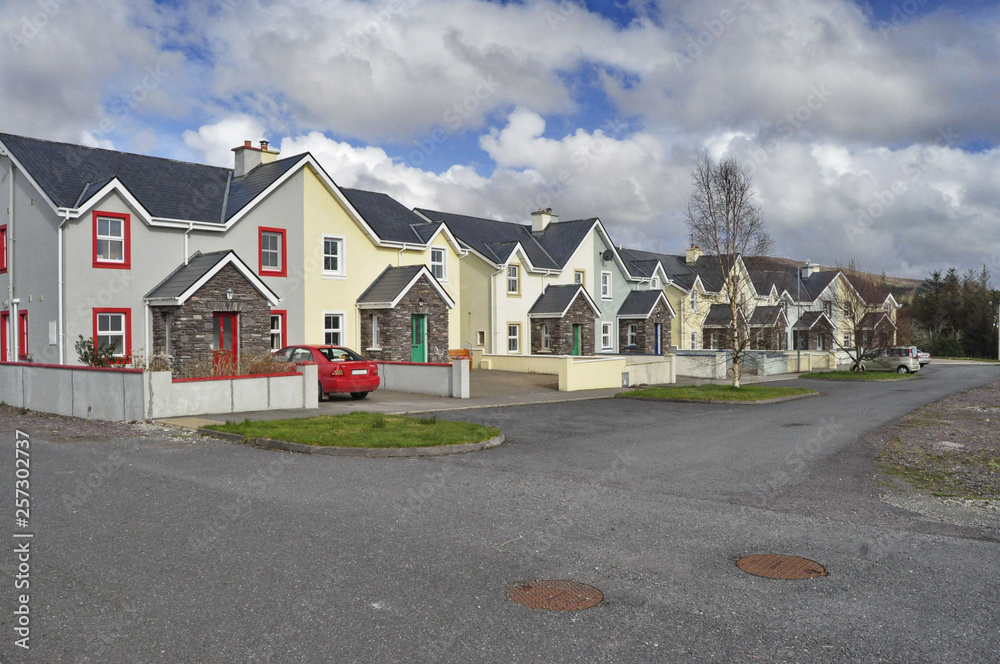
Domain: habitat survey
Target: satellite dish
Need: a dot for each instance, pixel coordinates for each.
(608, 255)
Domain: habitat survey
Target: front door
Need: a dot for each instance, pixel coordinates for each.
(418, 347)
(657, 329)
(577, 338)
(226, 340)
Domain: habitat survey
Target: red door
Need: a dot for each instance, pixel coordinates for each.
(4, 334)
(226, 343)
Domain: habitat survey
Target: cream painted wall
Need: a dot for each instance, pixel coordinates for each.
(363, 262)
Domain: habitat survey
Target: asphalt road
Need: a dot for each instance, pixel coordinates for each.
(194, 550)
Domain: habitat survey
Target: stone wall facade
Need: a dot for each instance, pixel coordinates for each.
(191, 325)
(561, 330)
(646, 332)
(769, 338)
(396, 326)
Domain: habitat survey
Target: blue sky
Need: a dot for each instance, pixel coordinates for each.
(870, 126)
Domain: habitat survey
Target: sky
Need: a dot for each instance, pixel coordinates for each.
(871, 128)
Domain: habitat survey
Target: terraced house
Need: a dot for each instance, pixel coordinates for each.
(153, 255)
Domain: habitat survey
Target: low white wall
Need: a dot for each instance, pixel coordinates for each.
(443, 380)
(575, 372)
(170, 398)
(651, 369)
(102, 394)
(702, 364)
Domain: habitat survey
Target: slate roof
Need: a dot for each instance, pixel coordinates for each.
(639, 304)
(808, 320)
(557, 299)
(719, 315)
(642, 263)
(391, 220)
(766, 316)
(549, 250)
(873, 318)
(390, 284)
(185, 276)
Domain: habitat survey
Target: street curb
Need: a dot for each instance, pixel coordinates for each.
(914, 376)
(370, 452)
(755, 402)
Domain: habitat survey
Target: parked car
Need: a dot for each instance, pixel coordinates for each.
(903, 359)
(341, 370)
(923, 357)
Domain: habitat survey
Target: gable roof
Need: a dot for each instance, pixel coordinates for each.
(767, 316)
(391, 220)
(873, 319)
(186, 279)
(720, 315)
(674, 267)
(640, 304)
(555, 301)
(809, 319)
(395, 282)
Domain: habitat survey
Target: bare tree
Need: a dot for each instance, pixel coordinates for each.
(865, 327)
(724, 221)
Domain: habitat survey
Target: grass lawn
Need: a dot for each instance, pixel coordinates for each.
(364, 430)
(715, 392)
(855, 375)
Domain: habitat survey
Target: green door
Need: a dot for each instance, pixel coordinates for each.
(577, 338)
(418, 348)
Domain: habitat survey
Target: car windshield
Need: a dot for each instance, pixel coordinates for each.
(334, 354)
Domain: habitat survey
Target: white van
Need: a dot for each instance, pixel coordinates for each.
(902, 359)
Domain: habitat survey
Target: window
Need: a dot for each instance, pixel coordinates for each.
(333, 256)
(820, 341)
(279, 335)
(655, 283)
(333, 329)
(375, 332)
(579, 276)
(111, 240)
(513, 279)
(713, 341)
(513, 337)
(633, 335)
(272, 252)
(480, 337)
(546, 338)
(847, 339)
(438, 265)
(694, 304)
(112, 328)
(606, 336)
(828, 308)
(605, 285)
(4, 330)
(3, 248)
(22, 335)
(694, 340)
(848, 309)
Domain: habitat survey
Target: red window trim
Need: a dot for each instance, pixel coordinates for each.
(3, 248)
(22, 334)
(127, 227)
(261, 270)
(284, 325)
(4, 323)
(128, 331)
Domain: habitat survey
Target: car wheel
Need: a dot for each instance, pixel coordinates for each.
(855, 368)
(903, 370)
(358, 395)
(322, 394)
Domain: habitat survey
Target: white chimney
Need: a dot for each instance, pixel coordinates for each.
(540, 219)
(248, 157)
(809, 269)
(692, 255)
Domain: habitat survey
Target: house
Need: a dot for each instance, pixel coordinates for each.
(100, 244)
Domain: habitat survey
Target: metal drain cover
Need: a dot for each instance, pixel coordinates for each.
(556, 595)
(787, 568)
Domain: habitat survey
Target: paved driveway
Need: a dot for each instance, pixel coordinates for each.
(195, 550)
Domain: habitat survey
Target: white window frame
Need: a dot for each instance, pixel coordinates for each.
(376, 333)
(280, 332)
(607, 287)
(480, 337)
(516, 338)
(443, 264)
(546, 337)
(107, 237)
(847, 340)
(713, 340)
(334, 330)
(694, 341)
(516, 278)
(694, 301)
(606, 336)
(113, 333)
(341, 257)
(633, 334)
(579, 277)
(654, 283)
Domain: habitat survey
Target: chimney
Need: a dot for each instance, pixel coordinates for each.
(248, 157)
(693, 254)
(808, 269)
(540, 219)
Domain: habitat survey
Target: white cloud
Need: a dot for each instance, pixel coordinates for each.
(215, 142)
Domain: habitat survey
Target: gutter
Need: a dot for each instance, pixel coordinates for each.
(12, 320)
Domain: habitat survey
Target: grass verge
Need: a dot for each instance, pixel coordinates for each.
(715, 392)
(363, 430)
(855, 375)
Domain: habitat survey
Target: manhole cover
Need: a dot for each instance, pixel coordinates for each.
(788, 568)
(556, 595)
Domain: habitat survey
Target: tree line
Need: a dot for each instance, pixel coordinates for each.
(955, 315)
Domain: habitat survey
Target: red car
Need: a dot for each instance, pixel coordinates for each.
(340, 369)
